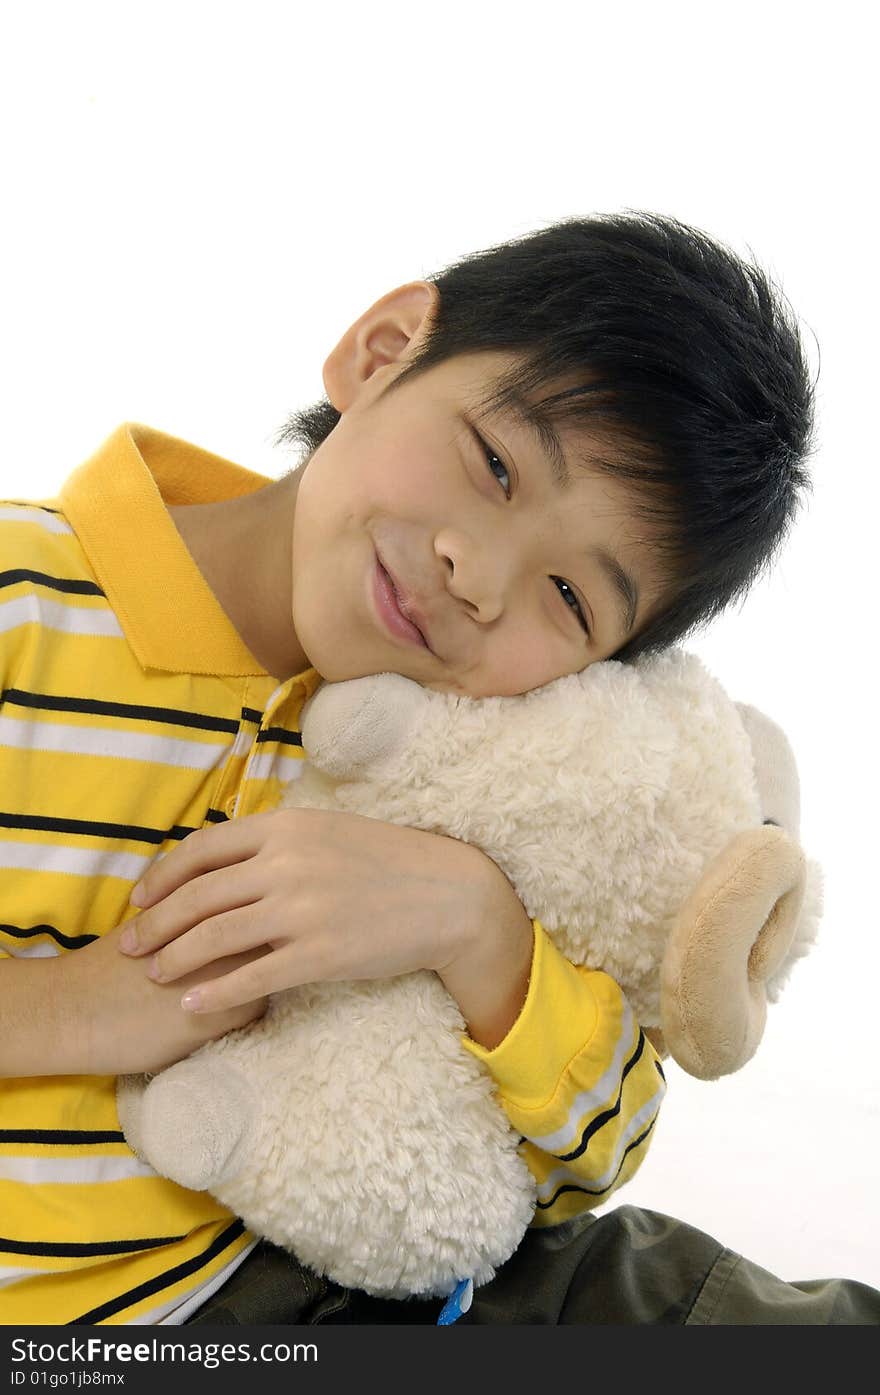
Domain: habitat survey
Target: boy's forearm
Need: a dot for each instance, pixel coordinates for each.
(97, 1012)
(489, 980)
(39, 1034)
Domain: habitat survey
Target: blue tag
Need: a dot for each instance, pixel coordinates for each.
(457, 1303)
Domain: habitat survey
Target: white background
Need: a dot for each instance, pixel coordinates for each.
(198, 198)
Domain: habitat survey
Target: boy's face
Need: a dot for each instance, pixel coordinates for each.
(401, 510)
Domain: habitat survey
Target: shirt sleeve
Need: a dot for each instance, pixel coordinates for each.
(580, 1082)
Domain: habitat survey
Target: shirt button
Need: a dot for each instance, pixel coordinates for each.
(229, 806)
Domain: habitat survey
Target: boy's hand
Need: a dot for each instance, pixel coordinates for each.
(120, 1022)
(329, 895)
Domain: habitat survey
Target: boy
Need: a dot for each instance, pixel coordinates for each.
(568, 448)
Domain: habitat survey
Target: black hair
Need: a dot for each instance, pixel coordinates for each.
(665, 345)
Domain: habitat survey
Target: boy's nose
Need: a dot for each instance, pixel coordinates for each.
(474, 575)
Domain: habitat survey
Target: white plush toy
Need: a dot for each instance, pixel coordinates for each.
(632, 809)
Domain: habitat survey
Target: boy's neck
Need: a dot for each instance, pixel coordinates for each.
(243, 549)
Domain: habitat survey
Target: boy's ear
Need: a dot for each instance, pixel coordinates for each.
(385, 334)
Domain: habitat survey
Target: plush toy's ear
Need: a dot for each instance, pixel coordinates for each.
(779, 793)
(731, 936)
(351, 726)
(776, 772)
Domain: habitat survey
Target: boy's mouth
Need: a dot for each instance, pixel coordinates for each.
(395, 610)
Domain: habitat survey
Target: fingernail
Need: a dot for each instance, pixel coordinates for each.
(128, 940)
(136, 894)
(154, 971)
(192, 1000)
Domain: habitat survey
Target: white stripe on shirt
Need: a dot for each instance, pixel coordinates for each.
(12, 1276)
(273, 763)
(34, 609)
(32, 949)
(78, 862)
(589, 1100)
(179, 1309)
(111, 742)
(74, 1170)
(50, 521)
(632, 1130)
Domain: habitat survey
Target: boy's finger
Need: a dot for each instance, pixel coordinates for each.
(245, 985)
(233, 932)
(209, 895)
(204, 850)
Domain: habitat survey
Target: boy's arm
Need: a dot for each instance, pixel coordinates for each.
(32, 1021)
(579, 1080)
(93, 1011)
(489, 974)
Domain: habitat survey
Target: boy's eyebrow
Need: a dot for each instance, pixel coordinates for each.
(524, 414)
(623, 583)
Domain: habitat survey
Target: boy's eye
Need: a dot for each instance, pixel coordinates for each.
(493, 460)
(566, 592)
(571, 600)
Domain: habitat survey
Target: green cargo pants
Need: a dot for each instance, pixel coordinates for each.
(629, 1266)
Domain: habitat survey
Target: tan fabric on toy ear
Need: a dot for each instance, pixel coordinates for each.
(731, 935)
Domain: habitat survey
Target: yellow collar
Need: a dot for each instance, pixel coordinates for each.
(116, 503)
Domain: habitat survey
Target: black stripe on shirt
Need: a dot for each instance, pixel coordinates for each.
(169, 716)
(162, 1281)
(86, 1137)
(596, 1191)
(95, 1247)
(601, 1119)
(94, 828)
(281, 735)
(56, 583)
(19, 932)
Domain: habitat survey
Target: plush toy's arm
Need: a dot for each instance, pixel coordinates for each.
(349, 728)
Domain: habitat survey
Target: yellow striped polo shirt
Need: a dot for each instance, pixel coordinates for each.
(132, 714)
